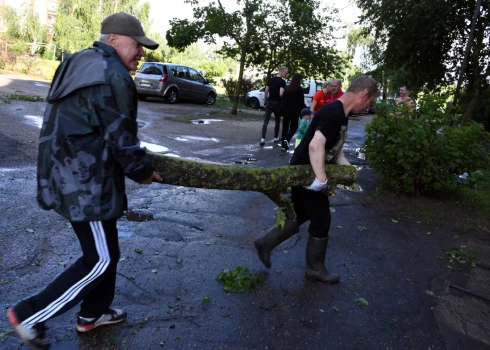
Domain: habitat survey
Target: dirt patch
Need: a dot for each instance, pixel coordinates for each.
(462, 232)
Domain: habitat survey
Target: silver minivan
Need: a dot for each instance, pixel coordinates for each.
(173, 82)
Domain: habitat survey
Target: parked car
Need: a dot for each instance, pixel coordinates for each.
(173, 82)
(255, 98)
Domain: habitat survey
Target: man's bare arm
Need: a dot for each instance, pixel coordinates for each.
(317, 156)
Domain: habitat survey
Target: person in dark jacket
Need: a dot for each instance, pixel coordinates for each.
(88, 145)
(293, 101)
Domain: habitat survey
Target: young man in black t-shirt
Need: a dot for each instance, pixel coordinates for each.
(272, 99)
(322, 144)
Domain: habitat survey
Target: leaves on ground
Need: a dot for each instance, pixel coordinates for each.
(138, 250)
(206, 300)
(361, 302)
(335, 308)
(239, 280)
(362, 228)
(460, 256)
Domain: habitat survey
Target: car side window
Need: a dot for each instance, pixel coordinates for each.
(152, 68)
(180, 72)
(319, 86)
(195, 76)
(306, 88)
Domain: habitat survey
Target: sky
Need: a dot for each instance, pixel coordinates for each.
(162, 11)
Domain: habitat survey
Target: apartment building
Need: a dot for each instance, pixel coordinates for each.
(45, 9)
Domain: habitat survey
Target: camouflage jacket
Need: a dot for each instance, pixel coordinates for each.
(88, 141)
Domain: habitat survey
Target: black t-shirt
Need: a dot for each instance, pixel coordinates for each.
(275, 84)
(331, 121)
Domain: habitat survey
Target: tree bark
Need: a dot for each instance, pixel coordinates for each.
(469, 43)
(271, 181)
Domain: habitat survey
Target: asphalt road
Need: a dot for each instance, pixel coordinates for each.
(167, 274)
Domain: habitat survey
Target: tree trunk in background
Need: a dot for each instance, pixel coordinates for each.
(236, 97)
(475, 81)
(271, 181)
(467, 52)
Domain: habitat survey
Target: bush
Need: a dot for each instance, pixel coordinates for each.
(424, 153)
(248, 84)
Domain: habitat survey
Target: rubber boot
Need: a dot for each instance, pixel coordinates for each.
(316, 250)
(273, 238)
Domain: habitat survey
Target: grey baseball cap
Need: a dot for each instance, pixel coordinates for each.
(123, 23)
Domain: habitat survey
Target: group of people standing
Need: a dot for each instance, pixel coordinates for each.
(288, 102)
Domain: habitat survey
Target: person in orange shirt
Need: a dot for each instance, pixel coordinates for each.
(320, 98)
(336, 90)
(331, 91)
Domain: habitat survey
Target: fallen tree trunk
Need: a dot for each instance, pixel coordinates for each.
(271, 181)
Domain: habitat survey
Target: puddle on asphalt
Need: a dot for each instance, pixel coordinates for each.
(9, 170)
(246, 159)
(154, 148)
(40, 84)
(34, 120)
(353, 188)
(124, 234)
(206, 121)
(195, 138)
(132, 216)
(359, 154)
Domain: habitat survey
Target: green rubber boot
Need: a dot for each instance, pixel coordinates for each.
(316, 250)
(273, 238)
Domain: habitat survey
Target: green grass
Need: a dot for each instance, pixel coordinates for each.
(223, 101)
(22, 97)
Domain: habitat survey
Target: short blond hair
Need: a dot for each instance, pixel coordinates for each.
(327, 83)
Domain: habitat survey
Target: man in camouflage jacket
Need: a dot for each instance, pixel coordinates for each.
(88, 145)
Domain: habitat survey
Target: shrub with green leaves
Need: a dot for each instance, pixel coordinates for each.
(239, 280)
(426, 150)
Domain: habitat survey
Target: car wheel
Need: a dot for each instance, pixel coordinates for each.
(254, 103)
(210, 99)
(142, 97)
(172, 96)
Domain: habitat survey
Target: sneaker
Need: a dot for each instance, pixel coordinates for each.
(277, 139)
(285, 145)
(34, 338)
(262, 142)
(112, 316)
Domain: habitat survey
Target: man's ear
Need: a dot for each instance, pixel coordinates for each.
(112, 39)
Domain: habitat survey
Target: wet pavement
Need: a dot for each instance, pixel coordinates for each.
(175, 240)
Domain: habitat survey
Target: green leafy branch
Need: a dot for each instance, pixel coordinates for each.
(280, 217)
(239, 280)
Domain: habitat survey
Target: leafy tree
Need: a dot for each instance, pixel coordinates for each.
(265, 35)
(298, 34)
(78, 21)
(24, 26)
(212, 21)
(428, 38)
